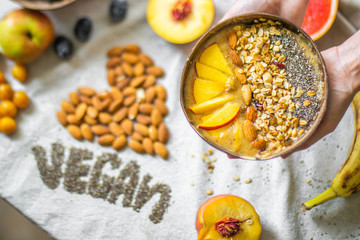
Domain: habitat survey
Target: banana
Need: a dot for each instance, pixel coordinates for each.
(347, 180)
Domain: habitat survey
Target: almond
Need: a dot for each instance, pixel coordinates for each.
(116, 129)
(246, 93)
(115, 51)
(160, 92)
(149, 81)
(136, 146)
(119, 142)
(128, 70)
(115, 93)
(240, 76)
(251, 114)
(159, 104)
(163, 133)
(127, 126)
(105, 104)
(130, 58)
(128, 91)
(85, 99)
(156, 117)
(115, 105)
(232, 39)
(103, 94)
(90, 121)
(92, 112)
(155, 70)
(75, 131)
(139, 69)
(81, 110)
(137, 81)
(143, 119)
(133, 48)
(74, 98)
(146, 108)
(129, 100)
(100, 130)
(145, 59)
(86, 132)
(235, 58)
(150, 94)
(142, 129)
(153, 133)
(133, 111)
(136, 136)
(121, 84)
(96, 102)
(113, 62)
(106, 140)
(259, 144)
(148, 146)
(67, 106)
(111, 77)
(119, 73)
(249, 131)
(61, 116)
(161, 150)
(86, 91)
(72, 119)
(105, 118)
(120, 114)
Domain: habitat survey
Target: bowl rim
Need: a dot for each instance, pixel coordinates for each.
(43, 5)
(250, 17)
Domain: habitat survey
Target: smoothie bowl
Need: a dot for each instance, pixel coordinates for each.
(255, 87)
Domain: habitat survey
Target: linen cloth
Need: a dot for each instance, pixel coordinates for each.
(278, 186)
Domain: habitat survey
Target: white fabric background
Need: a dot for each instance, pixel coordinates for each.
(278, 187)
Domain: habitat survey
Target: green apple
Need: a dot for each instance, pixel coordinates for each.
(25, 34)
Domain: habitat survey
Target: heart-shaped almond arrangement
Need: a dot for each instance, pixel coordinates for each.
(131, 113)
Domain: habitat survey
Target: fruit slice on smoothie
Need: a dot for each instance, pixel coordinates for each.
(207, 89)
(221, 117)
(206, 72)
(213, 57)
(180, 21)
(211, 104)
(227, 217)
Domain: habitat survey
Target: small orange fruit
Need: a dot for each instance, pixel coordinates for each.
(6, 92)
(2, 77)
(7, 125)
(8, 108)
(20, 99)
(20, 72)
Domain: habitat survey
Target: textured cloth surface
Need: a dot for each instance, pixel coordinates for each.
(277, 189)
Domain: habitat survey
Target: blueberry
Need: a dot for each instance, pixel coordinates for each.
(83, 28)
(63, 47)
(118, 10)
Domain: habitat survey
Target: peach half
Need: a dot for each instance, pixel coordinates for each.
(180, 21)
(227, 217)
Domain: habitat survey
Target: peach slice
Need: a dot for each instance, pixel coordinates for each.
(213, 57)
(207, 89)
(180, 21)
(211, 104)
(206, 72)
(221, 117)
(227, 217)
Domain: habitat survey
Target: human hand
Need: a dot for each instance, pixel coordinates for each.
(293, 10)
(342, 62)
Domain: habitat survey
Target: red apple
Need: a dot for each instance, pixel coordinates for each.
(25, 34)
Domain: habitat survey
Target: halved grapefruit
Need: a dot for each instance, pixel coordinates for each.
(319, 17)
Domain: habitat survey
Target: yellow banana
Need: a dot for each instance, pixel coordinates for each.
(347, 180)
